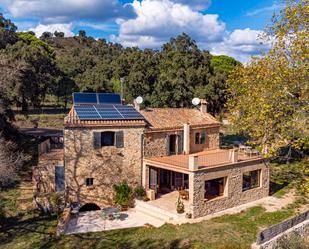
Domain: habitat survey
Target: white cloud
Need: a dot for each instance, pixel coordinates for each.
(195, 4)
(65, 11)
(241, 44)
(159, 20)
(66, 28)
(266, 10)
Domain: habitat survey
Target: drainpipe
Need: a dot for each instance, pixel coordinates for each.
(186, 138)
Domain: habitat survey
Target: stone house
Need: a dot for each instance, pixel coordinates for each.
(161, 149)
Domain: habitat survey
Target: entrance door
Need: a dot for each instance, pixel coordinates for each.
(172, 144)
(153, 179)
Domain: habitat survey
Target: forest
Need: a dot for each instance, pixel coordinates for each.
(54, 65)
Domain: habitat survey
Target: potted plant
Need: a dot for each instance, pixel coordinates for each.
(140, 193)
(123, 193)
(180, 206)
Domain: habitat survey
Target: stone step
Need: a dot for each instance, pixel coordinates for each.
(155, 212)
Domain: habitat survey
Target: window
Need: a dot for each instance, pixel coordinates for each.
(200, 137)
(251, 180)
(214, 188)
(107, 138)
(89, 181)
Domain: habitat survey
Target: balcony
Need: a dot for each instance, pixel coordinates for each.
(201, 160)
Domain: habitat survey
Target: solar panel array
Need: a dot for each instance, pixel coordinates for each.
(96, 98)
(107, 112)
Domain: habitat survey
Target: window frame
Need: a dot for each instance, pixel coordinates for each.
(201, 137)
(258, 185)
(91, 183)
(220, 194)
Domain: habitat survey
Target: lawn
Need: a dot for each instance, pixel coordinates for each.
(229, 231)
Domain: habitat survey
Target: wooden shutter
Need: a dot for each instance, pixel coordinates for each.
(167, 145)
(180, 143)
(96, 140)
(119, 139)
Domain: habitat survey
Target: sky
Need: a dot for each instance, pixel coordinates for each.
(227, 27)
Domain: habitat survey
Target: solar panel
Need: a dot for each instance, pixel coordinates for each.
(107, 112)
(84, 98)
(109, 98)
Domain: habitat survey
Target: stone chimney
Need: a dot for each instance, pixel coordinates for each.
(136, 105)
(203, 107)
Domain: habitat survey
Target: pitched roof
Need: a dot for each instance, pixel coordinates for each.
(164, 118)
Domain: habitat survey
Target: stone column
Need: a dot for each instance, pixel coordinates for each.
(186, 138)
(193, 165)
(145, 176)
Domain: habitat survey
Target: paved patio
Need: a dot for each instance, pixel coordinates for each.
(92, 222)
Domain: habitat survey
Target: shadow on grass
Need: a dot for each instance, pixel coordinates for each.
(14, 227)
(275, 187)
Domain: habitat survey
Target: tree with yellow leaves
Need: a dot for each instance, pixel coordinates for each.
(269, 97)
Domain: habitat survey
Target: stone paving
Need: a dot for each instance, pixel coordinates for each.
(92, 222)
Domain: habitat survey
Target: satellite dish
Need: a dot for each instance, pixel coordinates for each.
(196, 101)
(139, 100)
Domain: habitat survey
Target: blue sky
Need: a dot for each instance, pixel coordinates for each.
(222, 27)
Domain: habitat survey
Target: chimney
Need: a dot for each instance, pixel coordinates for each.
(186, 138)
(203, 107)
(136, 105)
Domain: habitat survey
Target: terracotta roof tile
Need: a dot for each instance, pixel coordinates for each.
(159, 118)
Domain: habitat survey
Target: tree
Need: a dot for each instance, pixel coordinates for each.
(182, 68)
(7, 32)
(58, 34)
(46, 35)
(82, 33)
(270, 96)
(224, 64)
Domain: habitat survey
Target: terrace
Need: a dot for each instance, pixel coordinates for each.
(201, 160)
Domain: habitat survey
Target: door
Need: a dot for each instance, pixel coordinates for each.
(172, 144)
(153, 179)
(59, 178)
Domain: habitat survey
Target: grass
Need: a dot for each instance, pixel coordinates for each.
(228, 231)
(45, 120)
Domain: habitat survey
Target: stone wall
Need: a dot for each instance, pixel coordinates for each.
(212, 139)
(301, 230)
(44, 172)
(107, 165)
(155, 143)
(233, 194)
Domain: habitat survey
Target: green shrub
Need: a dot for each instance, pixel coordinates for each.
(292, 241)
(123, 193)
(140, 192)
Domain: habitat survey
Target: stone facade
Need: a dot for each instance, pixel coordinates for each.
(44, 172)
(233, 193)
(106, 165)
(155, 143)
(212, 139)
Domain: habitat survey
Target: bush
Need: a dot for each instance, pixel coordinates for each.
(123, 193)
(140, 192)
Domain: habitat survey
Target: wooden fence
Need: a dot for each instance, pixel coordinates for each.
(277, 229)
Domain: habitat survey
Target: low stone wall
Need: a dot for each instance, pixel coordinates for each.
(269, 237)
